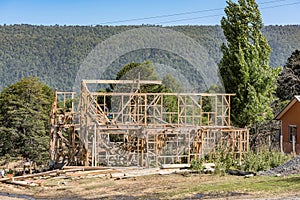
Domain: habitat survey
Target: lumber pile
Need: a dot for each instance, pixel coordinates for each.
(26, 180)
(116, 173)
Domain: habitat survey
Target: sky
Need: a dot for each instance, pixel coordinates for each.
(137, 12)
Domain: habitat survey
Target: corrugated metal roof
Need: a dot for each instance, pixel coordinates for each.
(297, 97)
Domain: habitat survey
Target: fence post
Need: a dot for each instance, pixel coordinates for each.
(294, 149)
(281, 143)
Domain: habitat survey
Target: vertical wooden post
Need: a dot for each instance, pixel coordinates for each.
(138, 151)
(294, 142)
(229, 110)
(72, 149)
(142, 151)
(248, 138)
(189, 146)
(147, 148)
(178, 111)
(216, 111)
(201, 109)
(202, 143)
(156, 150)
(53, 130)
(281, 143)
(240, 145)
(270, 143)
(94, 146)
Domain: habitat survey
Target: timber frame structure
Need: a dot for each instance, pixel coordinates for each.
(141, 129)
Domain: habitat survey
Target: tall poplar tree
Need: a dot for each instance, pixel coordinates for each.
(244, 67)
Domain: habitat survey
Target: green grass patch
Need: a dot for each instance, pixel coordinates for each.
(228, 185)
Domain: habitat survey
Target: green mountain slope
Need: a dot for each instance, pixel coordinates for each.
(55, 53)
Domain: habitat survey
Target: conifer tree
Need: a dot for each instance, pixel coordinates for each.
(24, 120)
(244, 67)
(289, 79)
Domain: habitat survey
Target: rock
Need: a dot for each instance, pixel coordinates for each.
(290, 167)
(249, 175)
(277, 175)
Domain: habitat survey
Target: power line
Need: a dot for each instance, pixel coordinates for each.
(163, 16)
(194, 12)
(187, 19)
(282, 5)
(218, 15)
(274, 1)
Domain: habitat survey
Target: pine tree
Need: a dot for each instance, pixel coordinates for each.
(244, 66)
(289, 79)
(24, 120)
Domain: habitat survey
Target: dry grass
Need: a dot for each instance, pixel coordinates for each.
(175, 186)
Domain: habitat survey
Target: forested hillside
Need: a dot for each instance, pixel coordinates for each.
(55, 53)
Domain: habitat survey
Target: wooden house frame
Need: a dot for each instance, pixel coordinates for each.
(139, 130)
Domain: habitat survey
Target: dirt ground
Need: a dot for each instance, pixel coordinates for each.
(173, 186)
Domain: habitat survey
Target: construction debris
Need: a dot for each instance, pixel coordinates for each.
(209, 168)
(178, 166)
(116, 173)
(25, 183)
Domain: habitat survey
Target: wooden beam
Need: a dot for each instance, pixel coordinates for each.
(24, 183)
(92, 172)
(84, 168)
(122, 82)
(158, 94)
(175, 166)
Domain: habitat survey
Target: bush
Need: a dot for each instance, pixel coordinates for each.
(223, 160)
(262, 160)
(251, 161)
(197, 164)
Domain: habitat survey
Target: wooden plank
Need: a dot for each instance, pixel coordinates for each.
(94, 172)
(24, 183)
(84, 168)
(49, 173)
(143, 172)
(173, 166)
(122, 81)
(69, 170)
(4, 179)
(209, 165)
(159, 94)
(125, 177)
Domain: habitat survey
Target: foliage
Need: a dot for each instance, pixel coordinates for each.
(55, 53)
(146, 71)
(251, 161)
(244, 66)
(143, 71)
(289, 79)
(135, 71)
(223, 160)
(24, 120)
(197, 164)
(171, 83)
(262, 160)
(208, 102)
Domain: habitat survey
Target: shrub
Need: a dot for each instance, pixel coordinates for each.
(262, 160)
(197, 164)
(251, 161)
